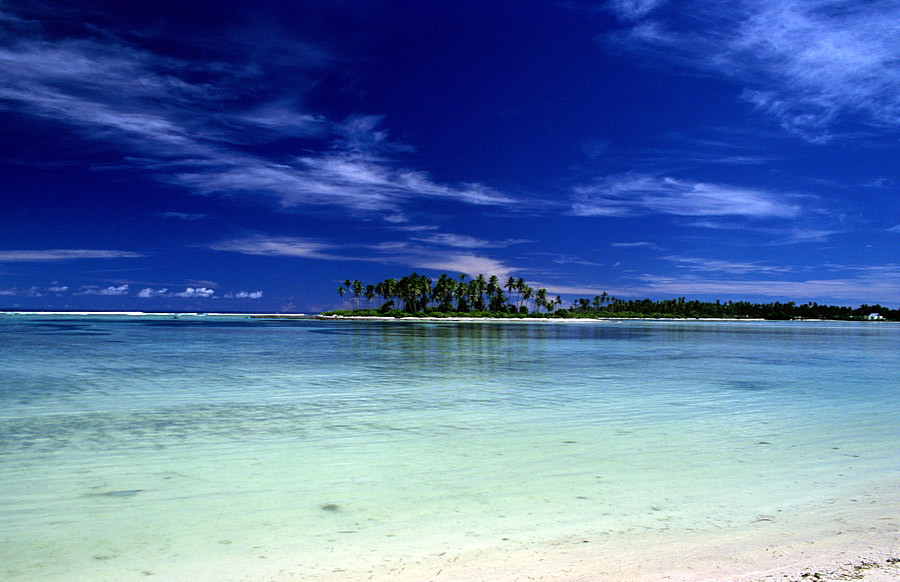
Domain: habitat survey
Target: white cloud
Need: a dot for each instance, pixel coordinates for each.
(148, 293)
(17, 292)
(561, 289)
(631, 245)
(155, 110)
(466, 242)
(718, 266)
(868, 287)
(359, 181)
(109, 291)
(244, 295)
(809, 65)
(630, 194)
(278, 247)
(63, 255)
(414, 228)
(58, 288)
(894, 228)
(391, 252)
(807, 235)
(195, 292)
(460, 263)
(185, 215)
(633, 9)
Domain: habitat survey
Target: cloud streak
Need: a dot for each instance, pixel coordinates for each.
(49, 255)
(183, 122)
(196, 292)
(807, 65)
(633, 194)
(881, 287)
(467, 242)
(732, 267)
(111, 291)
(390, 253)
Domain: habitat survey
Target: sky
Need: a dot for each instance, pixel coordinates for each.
(217, 156)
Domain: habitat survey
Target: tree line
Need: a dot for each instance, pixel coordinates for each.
(417, 293)
(491, 297)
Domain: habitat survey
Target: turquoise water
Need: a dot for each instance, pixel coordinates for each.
(136, 446)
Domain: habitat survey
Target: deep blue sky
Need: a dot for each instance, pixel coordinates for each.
(216, 156)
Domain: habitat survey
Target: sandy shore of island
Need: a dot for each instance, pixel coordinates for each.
(676, 557)
(519, 319)
(849, 539)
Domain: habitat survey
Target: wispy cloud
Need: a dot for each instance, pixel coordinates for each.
(467, 242)
(632, 194)
(389, 252)
(190, 216)
(564, 289)
(21, 292)
(244, 295)
(631, 245)
(867, 287)
(414, 228)
(831, 58)
(360, 181)
(64, 255)
(774, 236)
(718, 266)
(182, 122)
(149, 293)
(564, 259)
(267, 246)
(460, 263)
(808, 65)
(195, 292)
(808, 235)
(633, 9)
(108, 291)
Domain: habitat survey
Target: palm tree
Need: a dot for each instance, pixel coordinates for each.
(370, 294)
(480, 288)
(462, 297)
(357, 291)
(379, 290)
(541, 300)
(390, 289)
(341, 293)
(527, 293)
(510, 285)
(520, 289)
(498, 301)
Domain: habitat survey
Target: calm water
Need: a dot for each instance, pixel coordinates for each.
(137, 447)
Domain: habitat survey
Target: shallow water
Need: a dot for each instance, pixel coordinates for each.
(132, 447)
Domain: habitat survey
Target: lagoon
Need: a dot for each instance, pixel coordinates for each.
(229, 448)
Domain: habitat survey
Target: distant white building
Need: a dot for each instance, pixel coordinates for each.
(875, 317)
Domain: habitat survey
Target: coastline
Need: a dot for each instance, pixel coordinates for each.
(525, 319)
(413, 319)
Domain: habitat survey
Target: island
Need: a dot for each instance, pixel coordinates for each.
(483, 296)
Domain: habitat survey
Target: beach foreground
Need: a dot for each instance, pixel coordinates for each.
(847, 549)
(221, 448)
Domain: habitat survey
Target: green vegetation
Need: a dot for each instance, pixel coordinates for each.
(419, 296)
